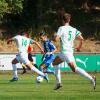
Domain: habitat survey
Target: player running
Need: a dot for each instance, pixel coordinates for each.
(67, 34)
(22, 43)
(49, 50)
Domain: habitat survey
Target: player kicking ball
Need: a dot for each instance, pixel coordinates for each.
(22, 43)
(67, 34)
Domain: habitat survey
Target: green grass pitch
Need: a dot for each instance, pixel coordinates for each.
(74, 87)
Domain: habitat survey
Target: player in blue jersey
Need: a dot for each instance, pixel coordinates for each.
(49, 50)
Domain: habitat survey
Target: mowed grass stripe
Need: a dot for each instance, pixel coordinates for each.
(74, 87)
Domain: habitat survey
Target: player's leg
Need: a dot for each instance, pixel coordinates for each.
(36, 66)
(33, 68)
(47, 63)
(80, 71)
(31, 60)
(15, 76)
(49, 71)
(24, 69)
(43, 69)
(56, 63)
(29, 65)
(25, 60)
(23, 65)
(30, 57)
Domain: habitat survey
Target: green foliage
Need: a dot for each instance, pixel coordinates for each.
(3, 8)
(10, 6)
(15, 6)
(36, 14)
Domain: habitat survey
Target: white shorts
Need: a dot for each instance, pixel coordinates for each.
(68, 57)
(23, 58)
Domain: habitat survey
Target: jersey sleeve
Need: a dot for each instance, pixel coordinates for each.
(59, 32)
(31, 41)
(77, 33)
(15, 37)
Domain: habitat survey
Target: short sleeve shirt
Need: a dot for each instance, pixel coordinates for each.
(67, 36)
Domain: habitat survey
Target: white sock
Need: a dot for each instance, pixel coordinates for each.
(83, 72)
(14, 70)
(57, 73)
(37, 71)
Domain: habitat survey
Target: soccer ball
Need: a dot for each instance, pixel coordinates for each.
(39, 79)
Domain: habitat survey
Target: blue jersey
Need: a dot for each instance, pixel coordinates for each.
(48, 47)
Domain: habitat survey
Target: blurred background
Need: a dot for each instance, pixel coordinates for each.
(34, 16)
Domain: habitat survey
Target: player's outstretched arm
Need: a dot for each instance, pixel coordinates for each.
(9, 40)
(39, 46)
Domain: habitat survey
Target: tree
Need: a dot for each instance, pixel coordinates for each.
(15, 6)
(3, 8)
(10, 7)
(34, 14)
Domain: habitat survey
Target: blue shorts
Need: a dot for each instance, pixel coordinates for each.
(48, 60)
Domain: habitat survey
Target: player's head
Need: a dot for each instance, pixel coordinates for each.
(43, 36)
(66, 18)
(24, 34)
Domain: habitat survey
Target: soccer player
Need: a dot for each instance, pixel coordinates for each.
(67, 34)
(49, 50)
(22, 43)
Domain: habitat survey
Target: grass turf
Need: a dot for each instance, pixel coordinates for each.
(74, 87)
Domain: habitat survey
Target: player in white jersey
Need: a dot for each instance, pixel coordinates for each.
(22, 43)
(67, 35)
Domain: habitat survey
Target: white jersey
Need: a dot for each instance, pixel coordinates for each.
(22, 43)
(67, 35)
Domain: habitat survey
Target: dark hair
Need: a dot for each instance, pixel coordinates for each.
(66, 17)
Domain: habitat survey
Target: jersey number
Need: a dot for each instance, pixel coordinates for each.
(24, 42)
(69, 35)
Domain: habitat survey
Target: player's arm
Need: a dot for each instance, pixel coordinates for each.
(80, 39)
(58, 35)
(10, 40)
(53, 48)
(39, 46)
(54, 51)
(56, 38)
